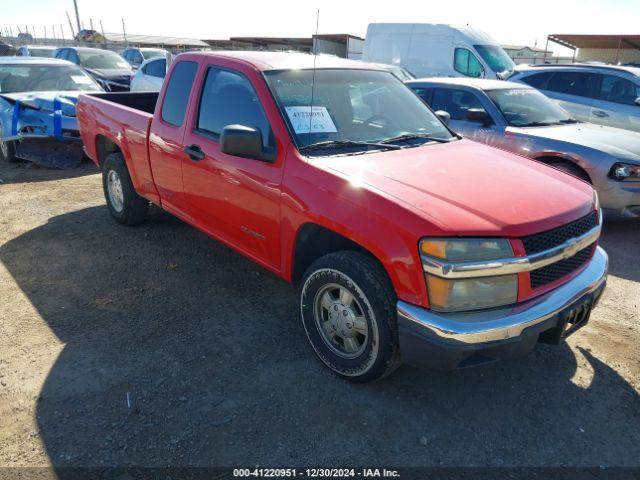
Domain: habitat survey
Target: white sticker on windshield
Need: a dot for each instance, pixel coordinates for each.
(314, 119)
(81, 80)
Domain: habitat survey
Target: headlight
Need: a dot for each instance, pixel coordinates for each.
(469, 293)
(625, 172)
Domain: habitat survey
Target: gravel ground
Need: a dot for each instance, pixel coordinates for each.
(156, 345)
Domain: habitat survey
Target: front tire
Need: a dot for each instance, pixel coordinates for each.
(125, 205)
(348, 309)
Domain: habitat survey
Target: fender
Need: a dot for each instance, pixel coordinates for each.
(389, 238)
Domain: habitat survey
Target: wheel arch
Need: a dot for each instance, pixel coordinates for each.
(549, 159)
(313, 241)
(104, 147)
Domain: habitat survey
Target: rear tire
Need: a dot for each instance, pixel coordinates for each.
(571, 169)
(348, 309)
(125, 205)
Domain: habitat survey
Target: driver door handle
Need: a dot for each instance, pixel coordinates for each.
(600, 114)
(194, 152)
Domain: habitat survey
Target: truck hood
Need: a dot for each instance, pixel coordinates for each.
(465, 188)
(44, 101)
(623, 144)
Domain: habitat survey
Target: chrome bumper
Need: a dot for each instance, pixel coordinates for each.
(475, 328)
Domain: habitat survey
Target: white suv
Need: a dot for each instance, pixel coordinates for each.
(602, 94)
(150, 76)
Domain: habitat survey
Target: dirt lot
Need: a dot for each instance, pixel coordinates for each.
(156, 345)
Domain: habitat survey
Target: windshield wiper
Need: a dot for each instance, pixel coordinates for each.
(569, 120)
(411, 136)
(331, 144)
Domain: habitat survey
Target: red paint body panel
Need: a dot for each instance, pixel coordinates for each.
(385, 202)
(126, 127)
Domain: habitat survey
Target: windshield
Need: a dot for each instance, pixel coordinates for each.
(103, 60)
(528, 108)
(44, 78)
(41, 52)
(496, 58)
(351, 106)
(152, 53)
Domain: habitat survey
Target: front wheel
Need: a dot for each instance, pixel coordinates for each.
(348, 309)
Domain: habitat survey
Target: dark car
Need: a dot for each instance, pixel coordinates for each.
(108, 68)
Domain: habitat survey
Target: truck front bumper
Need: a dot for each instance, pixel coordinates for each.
(457, 340)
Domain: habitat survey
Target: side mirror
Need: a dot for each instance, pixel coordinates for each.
(479, 115)
(637, 101)
(444, 116)
(246, 142)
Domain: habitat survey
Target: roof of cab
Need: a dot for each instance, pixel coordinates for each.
(33, 61)
(285, 60)
(476, 83)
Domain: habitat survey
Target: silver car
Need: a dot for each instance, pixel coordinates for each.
(603, 94)
(520, 119)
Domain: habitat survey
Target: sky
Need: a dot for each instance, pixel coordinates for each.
(509, 22)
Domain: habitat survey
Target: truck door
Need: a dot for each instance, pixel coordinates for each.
(233, 198)
(165, 138)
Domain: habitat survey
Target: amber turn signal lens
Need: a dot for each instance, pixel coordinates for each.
(434, 248)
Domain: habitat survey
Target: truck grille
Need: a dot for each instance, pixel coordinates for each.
(552, 238)
(555, 271)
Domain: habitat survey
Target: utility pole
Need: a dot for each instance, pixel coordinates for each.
(124, 31)
(75, 6)
(73, 35)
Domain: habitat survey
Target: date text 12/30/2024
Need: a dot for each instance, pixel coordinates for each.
(315, 473)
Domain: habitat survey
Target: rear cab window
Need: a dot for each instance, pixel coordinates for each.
(176, 97)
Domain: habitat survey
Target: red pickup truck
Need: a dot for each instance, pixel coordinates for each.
(408, 242)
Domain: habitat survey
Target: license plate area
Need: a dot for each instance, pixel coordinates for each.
(575, 318)
(570, 320)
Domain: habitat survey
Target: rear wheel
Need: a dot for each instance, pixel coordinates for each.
(125, 205)
(348, 309)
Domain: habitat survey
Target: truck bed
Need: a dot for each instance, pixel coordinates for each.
(145, 101)
(123, 120)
